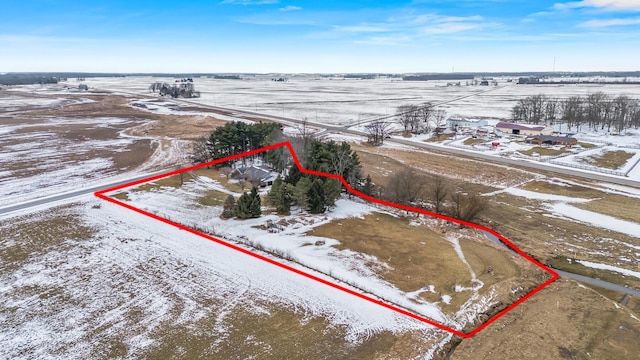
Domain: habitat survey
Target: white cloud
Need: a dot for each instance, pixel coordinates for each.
(611, 22)
(290, 8)
(360, 28)
(633, 5)
(249, 2)
(449, 28)
(391, 40)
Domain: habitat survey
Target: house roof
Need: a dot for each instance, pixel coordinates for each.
(254, 172)
(505, 125)
(551, 138)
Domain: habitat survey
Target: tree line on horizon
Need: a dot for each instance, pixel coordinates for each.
(597, 111)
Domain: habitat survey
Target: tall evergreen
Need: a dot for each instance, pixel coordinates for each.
(254, 205)
(316, 203)
(228, 207)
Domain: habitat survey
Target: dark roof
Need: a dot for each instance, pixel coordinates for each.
(551, 138)
(506, 125)
(254, 172)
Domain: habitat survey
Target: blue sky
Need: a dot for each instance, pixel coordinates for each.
(319, 36)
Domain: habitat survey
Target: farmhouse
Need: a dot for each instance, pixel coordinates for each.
(452, 123)
(254, 174)
(551, 140)
(520, 129)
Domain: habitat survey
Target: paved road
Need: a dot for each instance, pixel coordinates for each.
(454, 151)
(89, 190)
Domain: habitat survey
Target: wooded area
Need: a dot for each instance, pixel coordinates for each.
(597, 111)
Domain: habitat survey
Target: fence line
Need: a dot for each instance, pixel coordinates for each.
(632, 167)
(590, 168)
(467, 147)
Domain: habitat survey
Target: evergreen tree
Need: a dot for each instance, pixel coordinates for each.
(276, 188)
(293, 176)
(228, 207)
(281, 196)
(331, 189)
(301, 193)
(254, 208)
(367, 188)
(316, 203)
(241, 209)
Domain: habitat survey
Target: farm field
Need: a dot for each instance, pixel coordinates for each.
(169, 293)
(394, 256)
(346, 101)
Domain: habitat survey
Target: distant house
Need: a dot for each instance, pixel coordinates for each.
(521, 129)
(551, 140)
(254, 174)
(452, 123)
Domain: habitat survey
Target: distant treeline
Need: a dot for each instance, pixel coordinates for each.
(597, 111)
(425, 77)
(226, 77)
(12, 79)
(573, 82)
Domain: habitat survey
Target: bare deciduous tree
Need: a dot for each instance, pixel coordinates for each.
(439, 192)
(200, 152)
(409, 117)
(377, 131)
(226, 171)
(405, 187)
(465, 206)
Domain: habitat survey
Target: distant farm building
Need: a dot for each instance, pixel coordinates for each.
(551, 140)
(465, 123)
(521, 129)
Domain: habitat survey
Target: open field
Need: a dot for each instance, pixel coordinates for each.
(585, 326)
(90, 278)
(539, 214)
(94, 283)
(345, 101)
(403, 264)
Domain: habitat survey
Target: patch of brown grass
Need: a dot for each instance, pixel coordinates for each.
(542, 151)
(564, 189)
(621, 207)
(471, 141)
(441, 137)
(124, 196)
(213, 198)
(587, 145)
(173, 181)
(609, 160)
(563, 321)
(418, 256)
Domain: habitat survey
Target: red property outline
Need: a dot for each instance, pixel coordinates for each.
(554, 275)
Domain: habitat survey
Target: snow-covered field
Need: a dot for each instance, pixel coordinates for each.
(317, 253)
(48, 155)
(134, 276)
(345, 101)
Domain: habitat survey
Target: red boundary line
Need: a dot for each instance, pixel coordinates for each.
(554, 275)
